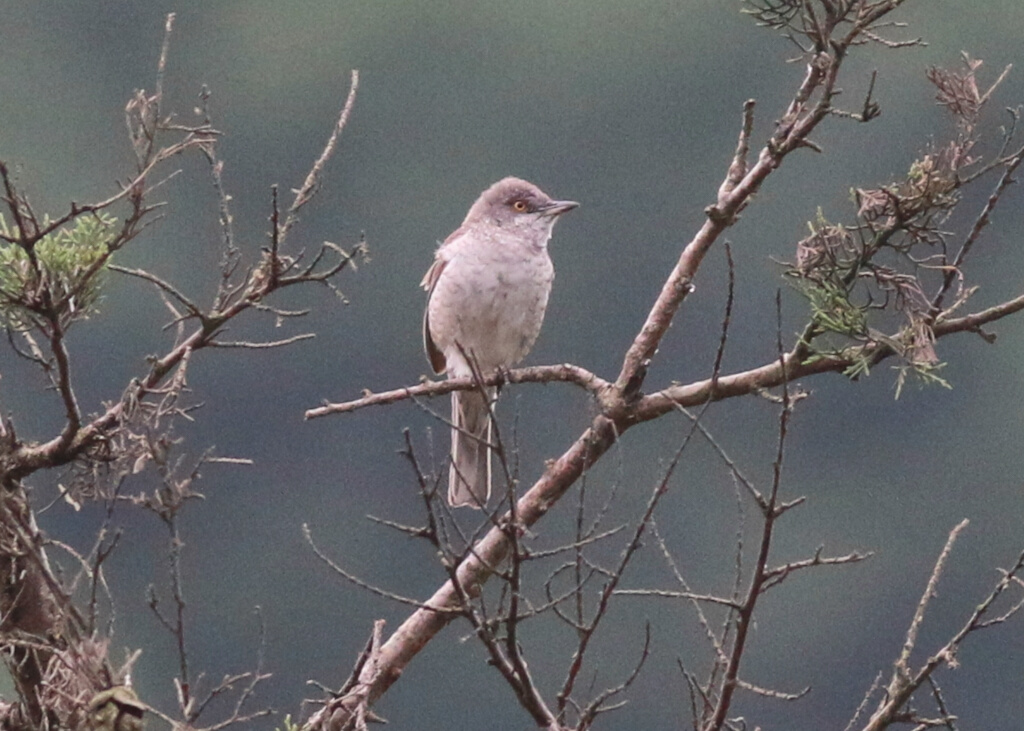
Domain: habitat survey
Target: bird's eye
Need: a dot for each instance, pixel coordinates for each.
(519, 206)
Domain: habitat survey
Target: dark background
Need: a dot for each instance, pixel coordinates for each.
(633, 110)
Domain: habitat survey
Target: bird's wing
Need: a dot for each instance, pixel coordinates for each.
(444, 253)
(434, 354)
(434, 273)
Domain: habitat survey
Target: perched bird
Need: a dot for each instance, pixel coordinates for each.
(488, 289)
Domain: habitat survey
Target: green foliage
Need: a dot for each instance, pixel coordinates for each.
(852, 295)
(832, 309)
(59, 276)
(288, 724)
(927, 375)
(891, 275)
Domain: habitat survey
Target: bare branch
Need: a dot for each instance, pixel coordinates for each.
(671, 594)
(312, 183)
(308, 535)
(902, 662)
(193, 309)
(537, 374)
(983, 219)
(245, 344)
(905, 680)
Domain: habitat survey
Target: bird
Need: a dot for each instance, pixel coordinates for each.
(487, 291)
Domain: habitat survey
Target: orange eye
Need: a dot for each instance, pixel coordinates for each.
(519, 206)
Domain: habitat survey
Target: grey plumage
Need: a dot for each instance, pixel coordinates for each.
(488, 290)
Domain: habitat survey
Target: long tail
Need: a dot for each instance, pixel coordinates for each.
(469, 481)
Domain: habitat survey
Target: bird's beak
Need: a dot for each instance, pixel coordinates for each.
(557, 208)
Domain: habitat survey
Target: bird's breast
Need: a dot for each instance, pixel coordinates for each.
(491, 301)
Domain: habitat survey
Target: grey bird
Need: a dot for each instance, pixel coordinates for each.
(488, 289)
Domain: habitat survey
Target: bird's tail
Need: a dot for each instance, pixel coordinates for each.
(469, 481)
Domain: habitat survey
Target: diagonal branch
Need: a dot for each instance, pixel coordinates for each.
(905, 681)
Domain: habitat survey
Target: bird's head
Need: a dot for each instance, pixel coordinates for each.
(516, 204)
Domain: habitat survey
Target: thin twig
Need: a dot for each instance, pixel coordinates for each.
(312, 183)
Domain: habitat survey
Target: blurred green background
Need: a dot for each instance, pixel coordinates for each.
(633, 110)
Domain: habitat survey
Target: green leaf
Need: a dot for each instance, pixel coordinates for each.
(65, 278)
